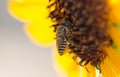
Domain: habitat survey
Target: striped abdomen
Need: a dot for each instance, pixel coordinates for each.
(61, 38)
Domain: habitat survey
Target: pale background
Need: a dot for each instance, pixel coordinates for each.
(19, 57)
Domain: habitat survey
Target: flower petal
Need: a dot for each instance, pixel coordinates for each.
(115, 35)
(115, 10)
(40, 33)
(110, 66)
(117, 25)
(28, 10)
(91, 71)
(114, 56)
(66, 64)
(69, 66)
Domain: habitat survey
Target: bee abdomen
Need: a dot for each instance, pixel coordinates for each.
(62, 46)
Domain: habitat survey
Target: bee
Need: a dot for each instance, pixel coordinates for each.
(84, 30)
(61, 39)
(62, 35)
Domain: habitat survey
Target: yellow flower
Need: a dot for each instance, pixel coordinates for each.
(34, 14)
(38, 27)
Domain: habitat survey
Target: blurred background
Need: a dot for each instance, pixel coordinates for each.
(19, 57)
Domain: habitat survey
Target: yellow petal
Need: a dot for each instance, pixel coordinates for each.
(40, 33)
(113, 2)
(108, 69)
(115, 10)
(117, 26)
(65, 65)
(91, 71)
(110, 66)
(115, 35)
(114, 56)
(28, 10)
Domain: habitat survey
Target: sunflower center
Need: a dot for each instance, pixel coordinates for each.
(87, 31)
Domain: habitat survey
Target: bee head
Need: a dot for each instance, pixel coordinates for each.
(66, 23)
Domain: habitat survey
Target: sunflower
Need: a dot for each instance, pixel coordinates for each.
(37, 25)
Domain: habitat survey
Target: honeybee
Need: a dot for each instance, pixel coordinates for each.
(62, 35)
(87, 35)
